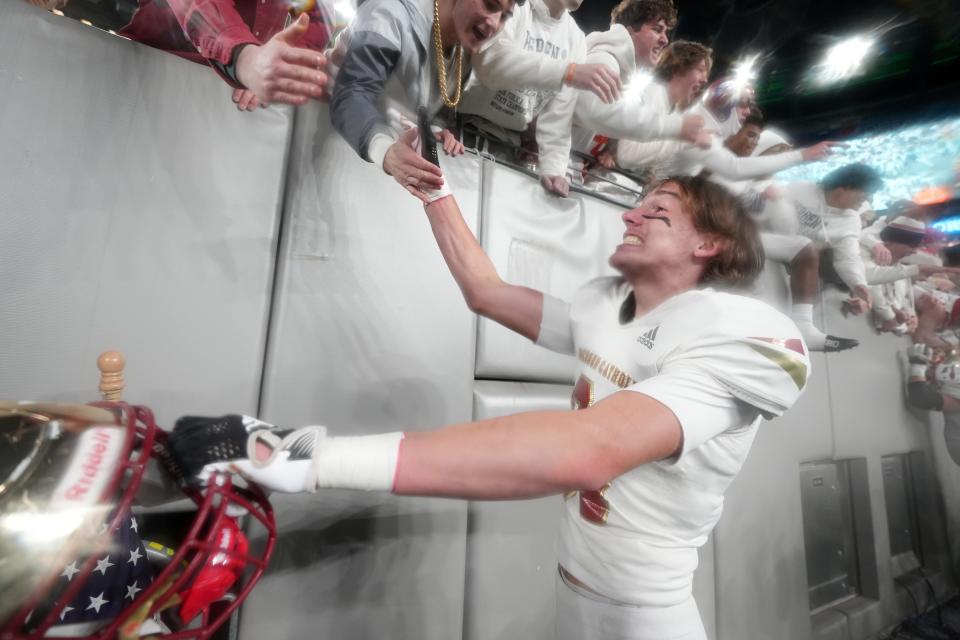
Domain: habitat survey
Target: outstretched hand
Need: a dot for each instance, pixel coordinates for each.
(413, 172)
(556, 184)
(598, 79)
(820, 151)
(280, 71)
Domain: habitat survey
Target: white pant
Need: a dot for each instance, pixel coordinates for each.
(781, 248)
(582, 615)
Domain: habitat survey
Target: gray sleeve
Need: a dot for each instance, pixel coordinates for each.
(366, 67)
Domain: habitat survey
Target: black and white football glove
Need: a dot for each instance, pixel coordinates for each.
(276, 459)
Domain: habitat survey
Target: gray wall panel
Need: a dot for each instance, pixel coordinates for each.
(370, 334)
(511, 561)
(138, 211)
(544, 242)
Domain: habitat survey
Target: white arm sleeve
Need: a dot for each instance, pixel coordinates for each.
(635, 155)
(881, 303)
(721, 161)
(554, 125)
(881, 275)
(870, 237)
(556, 332)
(629, 119)
(848, 263)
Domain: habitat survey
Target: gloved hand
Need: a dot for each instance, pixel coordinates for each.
(276, 459)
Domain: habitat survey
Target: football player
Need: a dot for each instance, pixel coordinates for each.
(676, 377)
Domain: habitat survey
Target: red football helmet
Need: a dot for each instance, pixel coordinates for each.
(70, 476)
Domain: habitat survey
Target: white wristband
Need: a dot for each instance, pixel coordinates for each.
(918, 371)
(434, 195)
(368, 463)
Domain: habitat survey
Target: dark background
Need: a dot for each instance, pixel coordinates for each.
(914, 74)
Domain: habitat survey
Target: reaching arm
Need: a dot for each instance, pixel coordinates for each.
(721, 161)
(368, 62)
(848, 263)
(518, 308)
(538, 453)
(625, 118)
(553, 133)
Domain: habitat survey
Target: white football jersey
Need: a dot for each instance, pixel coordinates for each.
(720, 362)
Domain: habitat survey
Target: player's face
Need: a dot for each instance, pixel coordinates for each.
(692, 82)
(648, 41)
(476, 21)
(659, 234)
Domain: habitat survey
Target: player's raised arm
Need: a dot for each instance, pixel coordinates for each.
(486, 293)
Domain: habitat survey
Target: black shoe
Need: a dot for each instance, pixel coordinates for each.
(833, 343)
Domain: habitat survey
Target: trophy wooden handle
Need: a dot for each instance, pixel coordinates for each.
(111, 365)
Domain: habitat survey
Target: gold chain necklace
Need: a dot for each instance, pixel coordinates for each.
(442, 63)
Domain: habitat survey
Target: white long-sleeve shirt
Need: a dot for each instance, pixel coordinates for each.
(890, 286)
(664, 158)
(831, 227)
(633, 116)
(518, 76)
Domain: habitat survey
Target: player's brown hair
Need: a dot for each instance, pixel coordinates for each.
(716, 211)
(681, 56)
(636, 13)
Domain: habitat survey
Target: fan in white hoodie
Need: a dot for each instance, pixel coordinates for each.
(531, 71)
(631, 50)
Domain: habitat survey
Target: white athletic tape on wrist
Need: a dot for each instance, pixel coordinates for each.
(918, 371)
(368, 463)
(442, 192)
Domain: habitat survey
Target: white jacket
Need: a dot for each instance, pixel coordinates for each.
(631, 117)
(518, 76)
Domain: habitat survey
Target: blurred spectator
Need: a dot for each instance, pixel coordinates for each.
(775, 218)
(890, 285)
(422, 47)
(870, 236)
(725, 106)
(827, 214)
(638, 34)
(933, 384)
(539, 53)
(248, 42)
(681, 74)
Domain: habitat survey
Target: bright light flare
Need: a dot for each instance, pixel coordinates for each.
(44, 529)
(843, 60)
(743, 74)
(636, 85)
(344, 10)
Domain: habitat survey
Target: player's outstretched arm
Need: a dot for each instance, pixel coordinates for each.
(520, 456)
(538, 453)
(485, 292)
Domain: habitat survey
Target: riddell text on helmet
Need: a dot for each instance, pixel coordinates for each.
(90, 469)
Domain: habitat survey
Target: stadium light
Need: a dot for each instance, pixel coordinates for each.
(843, 60)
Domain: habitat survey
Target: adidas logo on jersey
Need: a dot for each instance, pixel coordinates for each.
(648, 338)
